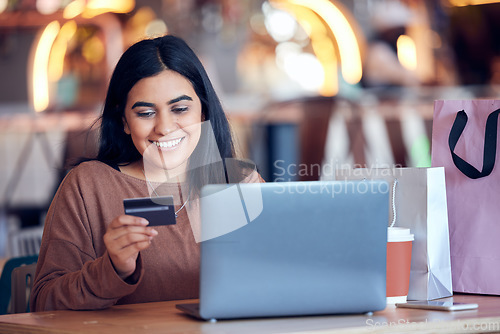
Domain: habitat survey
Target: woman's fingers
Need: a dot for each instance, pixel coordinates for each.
(132, 250)
(125, 230)
(125, 238)
(128, 220)
(125, 224)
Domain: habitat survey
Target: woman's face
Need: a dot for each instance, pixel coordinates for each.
(163, 116)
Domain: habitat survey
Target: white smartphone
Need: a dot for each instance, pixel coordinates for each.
(438, 305)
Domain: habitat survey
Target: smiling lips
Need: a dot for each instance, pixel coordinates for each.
(168, 144)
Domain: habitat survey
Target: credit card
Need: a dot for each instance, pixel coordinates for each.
(157, 210)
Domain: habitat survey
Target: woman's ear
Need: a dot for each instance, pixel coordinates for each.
(125, 126)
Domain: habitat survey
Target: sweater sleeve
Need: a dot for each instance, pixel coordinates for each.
(74, 270)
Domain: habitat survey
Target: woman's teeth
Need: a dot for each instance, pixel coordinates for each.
(167, 144)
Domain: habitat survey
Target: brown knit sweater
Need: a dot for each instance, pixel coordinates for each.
(74, 270)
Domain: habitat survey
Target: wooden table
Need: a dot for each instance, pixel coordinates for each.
(163, 317)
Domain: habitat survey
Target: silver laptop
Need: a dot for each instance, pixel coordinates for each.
(292, 249)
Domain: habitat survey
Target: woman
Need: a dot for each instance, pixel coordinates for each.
(162, 132)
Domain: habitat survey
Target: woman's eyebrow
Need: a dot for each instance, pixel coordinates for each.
(180, 98)
(143, 104)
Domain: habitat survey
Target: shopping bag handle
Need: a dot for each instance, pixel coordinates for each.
(490, 145)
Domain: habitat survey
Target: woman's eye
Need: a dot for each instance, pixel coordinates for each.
(179, 110)
(145, 113)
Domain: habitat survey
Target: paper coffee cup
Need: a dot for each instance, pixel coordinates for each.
(399, 243)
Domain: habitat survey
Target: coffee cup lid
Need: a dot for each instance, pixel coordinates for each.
(401, 234)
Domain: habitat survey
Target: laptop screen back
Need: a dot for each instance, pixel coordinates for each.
(296, 248)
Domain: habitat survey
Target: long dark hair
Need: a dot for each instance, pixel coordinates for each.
(147, 58)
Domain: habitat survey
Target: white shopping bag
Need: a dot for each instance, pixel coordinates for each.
(418, 203)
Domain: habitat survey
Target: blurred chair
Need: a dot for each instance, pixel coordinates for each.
(22, 281)
(25, 241)
(6, 280)
(378, 134)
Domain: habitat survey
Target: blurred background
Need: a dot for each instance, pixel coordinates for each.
(308, 85)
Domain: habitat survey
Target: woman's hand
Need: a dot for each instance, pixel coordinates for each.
(125, 237)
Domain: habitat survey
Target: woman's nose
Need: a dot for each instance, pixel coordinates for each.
(165, 124)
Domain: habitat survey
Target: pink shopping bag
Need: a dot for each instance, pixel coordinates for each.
(464, 141)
